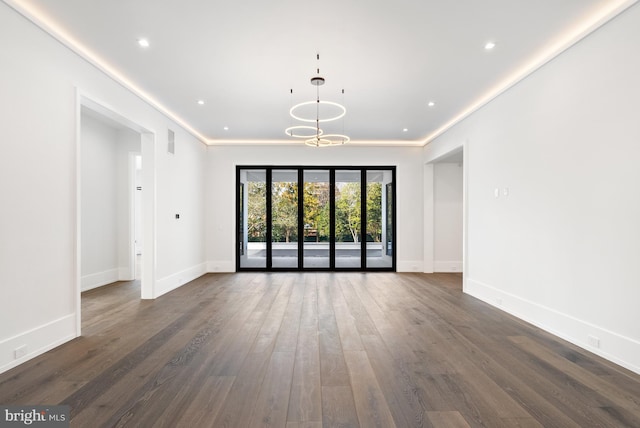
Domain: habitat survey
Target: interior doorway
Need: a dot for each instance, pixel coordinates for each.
(107, 194)
(115, 218)
(445, 208)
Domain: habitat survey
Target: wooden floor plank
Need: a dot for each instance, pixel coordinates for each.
(319, 349)
(405, 398)
(305, 402)
(338, 407)
(239, 404)
(208, 401)
(272, 403)
(287, 338)
(345, 321)
(447, 420)
(371, 407)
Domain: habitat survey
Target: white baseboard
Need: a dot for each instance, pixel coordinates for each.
(98, 279)
(614, 347)
(409, 266)
(36, 341)
(126, 274)
(221, 266)
(447, 266)
(178, 279)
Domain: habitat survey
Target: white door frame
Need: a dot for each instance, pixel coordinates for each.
(147, 145)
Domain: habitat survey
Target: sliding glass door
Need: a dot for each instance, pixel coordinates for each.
(348, 219)
(315, 218)
(252, 221)
(284, 218)
(316, 212)
(379, 218)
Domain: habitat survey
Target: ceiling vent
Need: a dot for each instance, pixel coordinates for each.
(171, 145)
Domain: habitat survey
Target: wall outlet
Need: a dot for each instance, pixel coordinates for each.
(593, 341)
(20, 352)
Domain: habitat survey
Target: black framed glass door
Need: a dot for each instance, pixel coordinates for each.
(315, 218)
(316, 208)
(284, 218)
(348, 219)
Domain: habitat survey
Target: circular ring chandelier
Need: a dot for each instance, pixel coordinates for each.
(290, 131)
(328, 140)
(317, 138)
(318, 142)
(317, 118)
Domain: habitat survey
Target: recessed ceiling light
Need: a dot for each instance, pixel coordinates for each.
(431, 104)
(201, 102)
(405, 130)
(489, 45)
(143, 43)
(226, 128)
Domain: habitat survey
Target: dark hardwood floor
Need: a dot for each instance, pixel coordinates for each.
(319, 349)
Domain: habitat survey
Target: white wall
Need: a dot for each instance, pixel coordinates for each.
(562, 249)
(180, 242)
(221, 171)
(99, 237)
(39, 82)
(447, 228)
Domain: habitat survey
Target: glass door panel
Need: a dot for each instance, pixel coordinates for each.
(252, 221)
(379, 219)
(348, 219)
(284, 218)
(316, 218)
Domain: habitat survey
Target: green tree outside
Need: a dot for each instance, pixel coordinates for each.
(284, 211)
(348, 212)
(284, 201)
(374, 212)
(256, 211)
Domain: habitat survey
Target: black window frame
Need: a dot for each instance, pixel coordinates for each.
(332, 248)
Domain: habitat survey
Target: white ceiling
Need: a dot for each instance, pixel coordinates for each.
(391, 57)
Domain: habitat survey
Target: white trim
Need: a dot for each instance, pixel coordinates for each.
(171, 282)
(126, 273)
(447, 266)
(410, 266)
(217, 266)
(148, 214)
(78, 214)
(614, 347)
(428, 219)
(38, 340)
(465, 212)
(98, 279)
